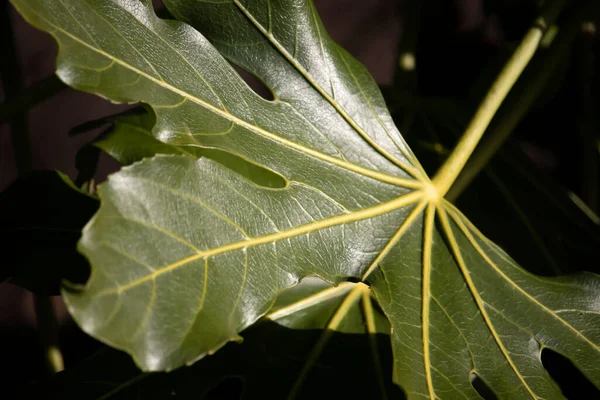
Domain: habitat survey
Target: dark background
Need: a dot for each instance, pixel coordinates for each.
(458, 39)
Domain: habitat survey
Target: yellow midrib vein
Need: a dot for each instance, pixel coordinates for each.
(355, 216)
(455, 249)
(408, 168)
(426, 294)
(391, 179)
(395, 239)
(310, 301)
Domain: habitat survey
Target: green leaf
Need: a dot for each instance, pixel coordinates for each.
(131, 140)
(187, 253)
(44, 211)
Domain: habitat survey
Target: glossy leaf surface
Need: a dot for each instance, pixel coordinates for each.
(131, 140)
(187, 253)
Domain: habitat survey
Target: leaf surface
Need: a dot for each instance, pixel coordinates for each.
(187, 253)
(131, 140)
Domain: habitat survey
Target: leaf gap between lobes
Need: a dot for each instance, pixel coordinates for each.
(256, 173)
(572, 382)
(484, 390)
(257, 85)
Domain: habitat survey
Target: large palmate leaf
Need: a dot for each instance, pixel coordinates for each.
(187, 253)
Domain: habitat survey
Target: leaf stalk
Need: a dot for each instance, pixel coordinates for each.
(47, 323)
(450, 170)
(529, 88)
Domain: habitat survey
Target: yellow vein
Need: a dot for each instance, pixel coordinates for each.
(311, 301)
(198, 309)
(394, 240)
(505, 257)
(101, 69)
(355, 216)
(451, 383)
(204, 134)
(109, 318)
(228, 185)
(409, 183)
(132, 338)
(492, 264)
(577, 311)
(460, 333)
(156, 228)
(167, 106)
(372, 331)
(315, 128)
(159, 37)
(328, 197)
(448, 356)
(241, 292)
(473, 289)
(401, 146)
(270, 23)
(76, 20)
(124, 39)
(198, 201)
(426, 296)
(519, 327)
(147, 132)
(315, 18)
(127, 255)
(353, 296)
(408, 168)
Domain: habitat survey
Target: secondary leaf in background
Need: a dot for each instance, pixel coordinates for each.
(41, 218)
(187, 253)
(268, 363)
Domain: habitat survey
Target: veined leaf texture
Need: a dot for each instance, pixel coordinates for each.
(186, 253)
